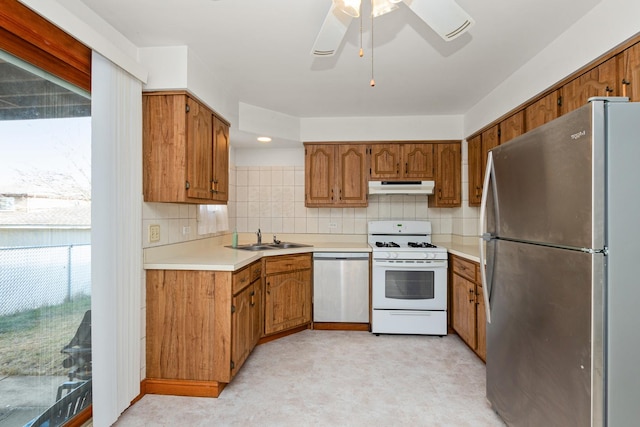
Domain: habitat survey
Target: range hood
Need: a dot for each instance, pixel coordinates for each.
(401, 187)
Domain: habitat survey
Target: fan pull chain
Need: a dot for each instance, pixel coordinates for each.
(361, 50)
(372, 82)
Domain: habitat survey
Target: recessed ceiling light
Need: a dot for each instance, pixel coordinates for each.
(264, 139)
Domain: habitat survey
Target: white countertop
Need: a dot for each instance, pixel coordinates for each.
(468, 251)
(211, 254)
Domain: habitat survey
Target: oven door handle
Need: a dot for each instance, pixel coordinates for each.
(428, 265)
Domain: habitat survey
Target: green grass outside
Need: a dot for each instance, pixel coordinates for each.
(31, 340)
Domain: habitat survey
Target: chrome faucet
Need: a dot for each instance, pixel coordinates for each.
(259, 234)
(275, 240)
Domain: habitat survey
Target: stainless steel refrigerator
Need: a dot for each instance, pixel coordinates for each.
(560, 223)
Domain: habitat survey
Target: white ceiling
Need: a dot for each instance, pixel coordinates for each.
(260, 49)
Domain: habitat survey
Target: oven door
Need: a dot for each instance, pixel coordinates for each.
(409, 284)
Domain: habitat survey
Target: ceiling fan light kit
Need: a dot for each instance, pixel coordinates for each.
(380, 7)
(350, 7)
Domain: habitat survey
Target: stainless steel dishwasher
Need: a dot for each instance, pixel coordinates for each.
(341, 287)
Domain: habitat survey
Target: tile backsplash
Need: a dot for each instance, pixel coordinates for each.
(272, 198)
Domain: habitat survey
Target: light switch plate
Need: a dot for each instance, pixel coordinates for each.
(154, 233)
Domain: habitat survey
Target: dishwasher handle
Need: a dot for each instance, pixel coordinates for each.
(340, 256)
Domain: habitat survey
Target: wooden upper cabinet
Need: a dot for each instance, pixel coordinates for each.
(335, 175)
(220, 173)
(474, 148)
(490, 139)
(599, 81)
(199, 150)
(319, 174)
(418, 161)
(542, 111)
(185, 150)
(478, 149)
(396, 161)
(352, 174)
(629, 71)
(511, 127)
(385, 161)
(448, 177)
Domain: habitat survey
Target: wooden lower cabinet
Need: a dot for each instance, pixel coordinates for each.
(287, 299)
(246, 314)
(467, 305)
(201, 327)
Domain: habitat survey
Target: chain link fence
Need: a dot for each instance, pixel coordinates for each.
(33, 277)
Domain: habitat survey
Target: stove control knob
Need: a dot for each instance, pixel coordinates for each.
(393, 255)
(431, 255)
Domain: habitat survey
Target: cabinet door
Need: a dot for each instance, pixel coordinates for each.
(448, 178)
(220, 174)
(512, 127)
(163, 141)
(351, 172)
(463, 320)
(599, 81)
(241, 328)
(319, 175)
(474, 147)
(180, 325)
(629, 69)
(199, 150)
(385, 161)
(418, 161)
(481, 324)
(257, 312)
(287, 301)
(490, 139)
(542, 111)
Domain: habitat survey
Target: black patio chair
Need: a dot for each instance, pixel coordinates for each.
(78, 359)
(65, 408)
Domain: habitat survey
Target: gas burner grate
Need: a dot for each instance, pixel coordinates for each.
(387, 245)
(421, 245)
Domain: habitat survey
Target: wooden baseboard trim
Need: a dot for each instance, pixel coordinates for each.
(339, 326)
(283, 334)
(182, 387)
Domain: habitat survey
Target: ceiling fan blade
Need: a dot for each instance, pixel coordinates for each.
(444, 16)
(331, 33)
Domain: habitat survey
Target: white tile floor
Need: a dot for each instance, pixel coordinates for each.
(339, 378)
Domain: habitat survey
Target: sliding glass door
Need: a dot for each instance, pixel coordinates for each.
(45, 245)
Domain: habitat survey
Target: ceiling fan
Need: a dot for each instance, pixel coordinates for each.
(445, 17)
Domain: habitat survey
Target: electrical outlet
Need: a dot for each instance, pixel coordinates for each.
(186, 231)
(154, 233)
(333, 225)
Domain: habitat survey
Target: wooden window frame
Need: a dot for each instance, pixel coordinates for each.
(30, 37)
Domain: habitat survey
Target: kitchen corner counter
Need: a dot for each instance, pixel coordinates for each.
(464, 250)
(214, 256)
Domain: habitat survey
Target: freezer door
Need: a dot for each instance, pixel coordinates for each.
(543, 183)
(539, 341)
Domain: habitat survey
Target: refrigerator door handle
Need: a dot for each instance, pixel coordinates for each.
(486, 286)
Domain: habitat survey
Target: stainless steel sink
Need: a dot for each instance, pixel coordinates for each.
(253, 247)
(288, 245)
(269, 246)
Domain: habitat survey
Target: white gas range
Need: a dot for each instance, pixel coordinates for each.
(409, 279)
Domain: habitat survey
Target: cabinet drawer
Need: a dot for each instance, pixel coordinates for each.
(256, 270)
(284, 263)
(465, 268)
(241, 279)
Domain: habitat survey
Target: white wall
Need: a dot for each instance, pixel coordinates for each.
(609, 24)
